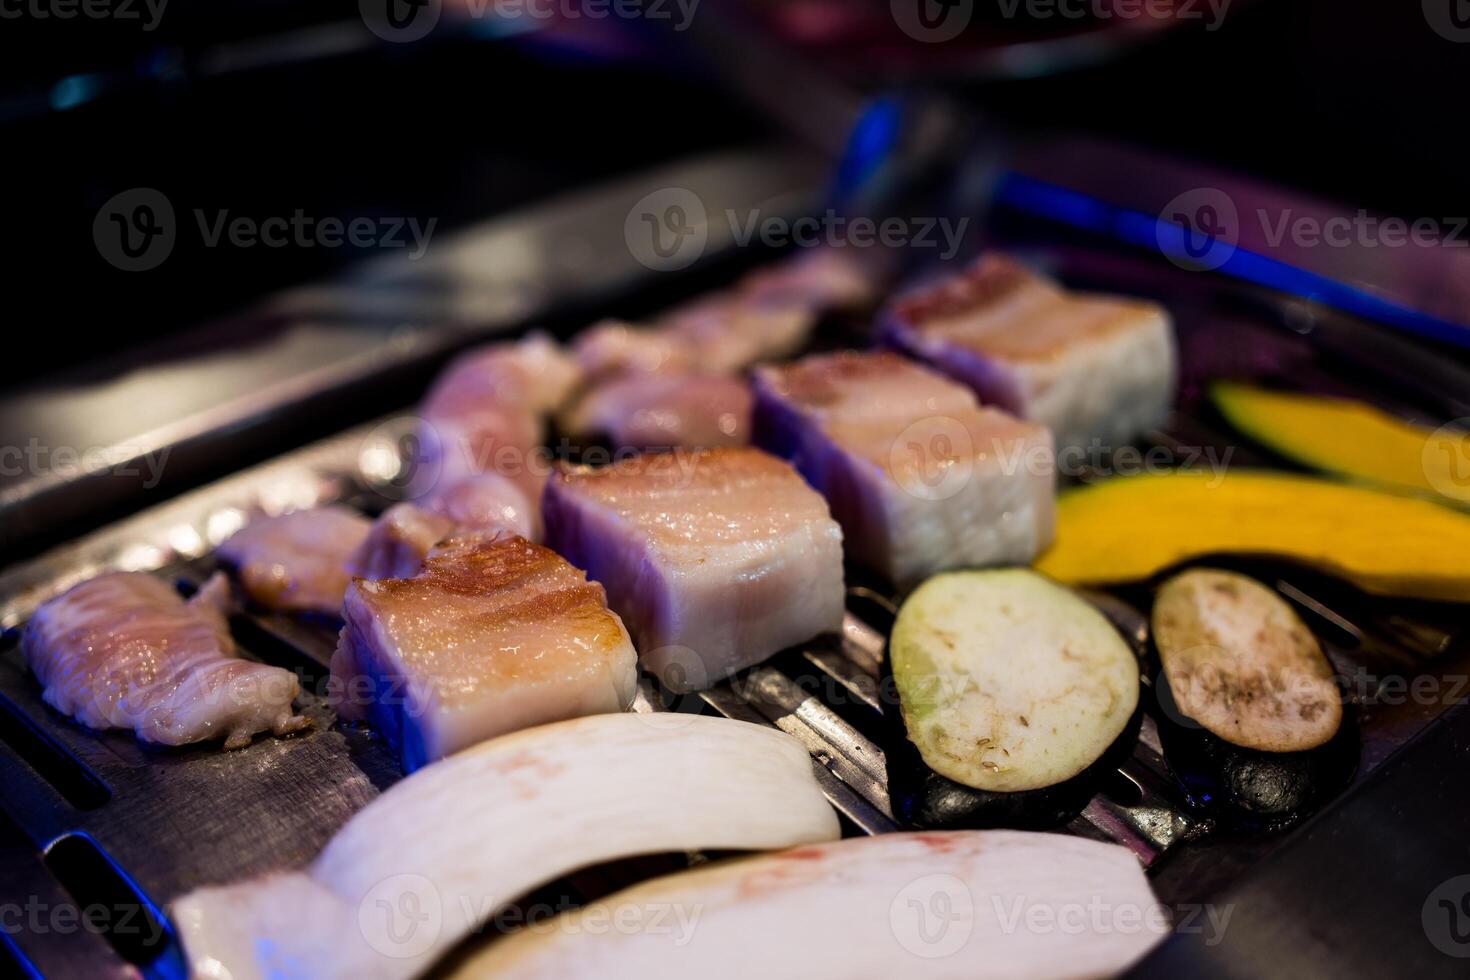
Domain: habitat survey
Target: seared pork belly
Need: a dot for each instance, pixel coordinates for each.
(494, 634)
(124, 650)
(821, 279)
(728, 332)
(920, 477)
(297, 561)
(402, 537)
(1089, 367)
(716, 559)
(663, 411)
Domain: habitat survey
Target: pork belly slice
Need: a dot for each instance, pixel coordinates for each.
(715, 559)
(402, 537)
(920, 477)
(494, 634)
(124, 650)
(767, 315)
(663, 411)
(1089, 367)
(297, 561)
(486, 412)
(447, 849)
(534, 375)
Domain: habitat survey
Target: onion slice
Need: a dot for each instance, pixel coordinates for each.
(963, 904)
(443, 851)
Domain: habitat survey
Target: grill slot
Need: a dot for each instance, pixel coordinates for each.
(109, 902)
(68, 775)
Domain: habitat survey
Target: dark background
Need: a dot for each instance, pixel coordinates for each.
(262, 108)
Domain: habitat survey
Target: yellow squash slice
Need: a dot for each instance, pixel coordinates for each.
(1338, 435)
(1130, 528)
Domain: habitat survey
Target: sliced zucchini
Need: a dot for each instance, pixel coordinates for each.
(1242, 664)
(1008, 682)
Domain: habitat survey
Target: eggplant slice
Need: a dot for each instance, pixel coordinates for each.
(1252, 723)
(1016, 700)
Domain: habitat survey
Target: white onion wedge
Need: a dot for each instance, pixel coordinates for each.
(443, 851)
(964, 904)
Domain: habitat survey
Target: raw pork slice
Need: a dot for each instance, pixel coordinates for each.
(447, 849)
(968, 905)
(403, 535)
(716, 559)
(297, 561)
(1093, 369)
(486, 412)
(663, 411)
(494, 634)
(920, 477)
(123, 650)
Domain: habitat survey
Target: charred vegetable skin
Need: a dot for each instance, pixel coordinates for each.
(1255, 734)
(1047, 678)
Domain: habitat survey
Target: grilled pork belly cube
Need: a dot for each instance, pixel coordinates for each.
(664, 410)
(716, 559)
(920, 477)
(402, 537)
(1089, 367)
(297, 561)
(494, 634)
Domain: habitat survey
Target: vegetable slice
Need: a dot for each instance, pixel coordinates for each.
(899, 905)
(1008, 682)
(1129, 528)
(1348, 437)
(1242, 664)
(444, 850)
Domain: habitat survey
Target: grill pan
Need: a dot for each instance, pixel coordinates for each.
(98, 819)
